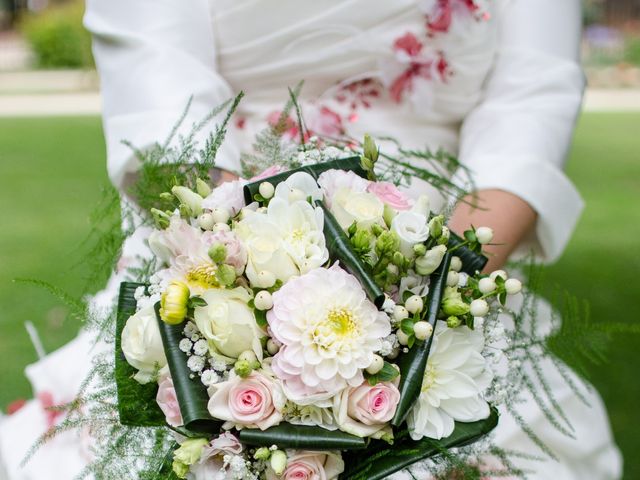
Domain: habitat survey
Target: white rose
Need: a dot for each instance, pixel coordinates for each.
(333, 180)
(364, 208)
(411, 228)
(142, 345)
(228, 322)
(300, 182)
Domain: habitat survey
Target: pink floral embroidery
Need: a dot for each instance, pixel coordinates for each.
(440, 13)
(359, 94)
(319, 120)
(409, 52)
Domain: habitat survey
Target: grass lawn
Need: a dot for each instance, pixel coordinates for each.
(53, 169)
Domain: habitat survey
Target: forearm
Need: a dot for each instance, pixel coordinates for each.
(510, 217)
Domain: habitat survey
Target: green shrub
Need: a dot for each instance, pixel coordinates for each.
(632, 51)
(58, 38)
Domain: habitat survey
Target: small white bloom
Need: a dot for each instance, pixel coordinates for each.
(220, 215)
(498, 273)
(209, 377)
(431, 261)
(185, 345)
(400, 313)
(196, 363)
(414, 304)
(412, 228)
(422, 330)
(266, 190)
(479, 308)
(206, 221)
(453, 277)
(484, 235)
(463, 278)
(201, 347)
(486, 285)
(513, 286)
(263, 300)
(221, 227)
(456, 264)
(272, 347)
(218, 364)
(403, 338)
(376, 365)
(190, 329)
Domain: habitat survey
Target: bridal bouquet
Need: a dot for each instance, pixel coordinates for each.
(309, 323)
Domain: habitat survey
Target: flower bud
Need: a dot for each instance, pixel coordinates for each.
(263, 300)
(278, 462)
(400, 313)
(388, 242)
(221, 227)
(161, 219)
(453, 304)
(188, 454)
(173, 303)
(218, 252)
(243, 368)
(422, 330)
(431, 261)
(403, 338)
(265, 279)
(361, 240)
(262, 453)
(189, 199)
(456, 264)
(377, 230)
(419, 249)
(206, 222)
(226, 274)
(388, 215)
(499, 273)
(203, 188)
(484, 235)
(452, 278)
(422, 205)
(393, 269)
(266, 190)
(376, 365)
(479, 308)
(398, 259)
(486, 285)
(220, 215)
(453, 322)
(443, 239)
(435, 226)
(272, 347)
(414, 304)
(370, 149)
(513, 286)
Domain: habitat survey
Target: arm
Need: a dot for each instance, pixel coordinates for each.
(516, 140)
(152, 55)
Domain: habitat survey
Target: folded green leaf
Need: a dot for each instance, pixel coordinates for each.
(383, 460)
(413, 363)
(191, 393)
(304, 437)
(340, 249)
(136, 403)
(472, 262)
(351, 163)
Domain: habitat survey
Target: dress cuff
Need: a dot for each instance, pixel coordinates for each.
(543, 186)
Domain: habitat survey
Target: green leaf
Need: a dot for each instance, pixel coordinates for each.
(340, 248)
(191, 393)
(303, 437)
(351, 163)
(388, 372)
(136, 403)
(414, 362)
(407, 326)
(261, 318)
(197, 302)
(472, 262)
(382, 460)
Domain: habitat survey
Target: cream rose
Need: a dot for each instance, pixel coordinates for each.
(411, 228)
(255, 401)
(365, 410)
(142, 345)
(364, 208)
(228, 323)
(305, 465)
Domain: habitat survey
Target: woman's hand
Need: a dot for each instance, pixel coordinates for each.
(510, 217)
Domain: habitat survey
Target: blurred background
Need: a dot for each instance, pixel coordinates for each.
(52, 166)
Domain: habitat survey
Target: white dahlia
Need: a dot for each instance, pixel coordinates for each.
(329, 332)
(456, 376)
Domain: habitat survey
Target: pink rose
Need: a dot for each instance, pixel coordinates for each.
(229, 195)
(365, 410)
(236, 253)
(303, 465)
(168, 402)
(253, 402)
(389, 194)
(269, 172)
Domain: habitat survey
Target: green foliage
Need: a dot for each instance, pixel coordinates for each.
(58, 38)
(632, 51)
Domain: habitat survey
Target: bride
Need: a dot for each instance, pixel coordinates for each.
(496, 82)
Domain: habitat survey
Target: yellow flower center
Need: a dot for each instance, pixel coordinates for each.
(341, 322)
(297, 235)
(429, 378)
(203, 276)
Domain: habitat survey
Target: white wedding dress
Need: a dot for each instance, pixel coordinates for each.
(496, 82)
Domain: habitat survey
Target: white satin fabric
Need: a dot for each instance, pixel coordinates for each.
(507, 109)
